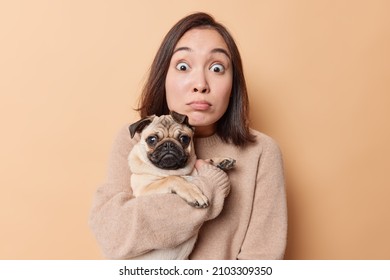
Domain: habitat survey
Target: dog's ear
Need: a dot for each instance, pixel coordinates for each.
(140, 125)
(183, 119)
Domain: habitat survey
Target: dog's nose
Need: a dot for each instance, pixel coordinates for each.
(168, 145)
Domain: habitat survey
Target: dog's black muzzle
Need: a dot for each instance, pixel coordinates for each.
(169, 155)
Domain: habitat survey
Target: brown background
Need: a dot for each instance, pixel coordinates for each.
(318, 74)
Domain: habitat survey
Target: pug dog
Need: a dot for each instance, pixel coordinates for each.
(163, 162)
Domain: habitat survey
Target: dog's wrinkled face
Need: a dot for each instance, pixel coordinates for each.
(168, 143)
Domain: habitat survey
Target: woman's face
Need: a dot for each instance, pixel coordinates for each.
(199, 79)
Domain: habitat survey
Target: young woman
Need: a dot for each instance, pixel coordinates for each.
(198, 72)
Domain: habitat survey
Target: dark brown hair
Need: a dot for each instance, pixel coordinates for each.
(233, 125)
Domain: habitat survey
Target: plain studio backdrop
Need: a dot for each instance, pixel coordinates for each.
(318, 74)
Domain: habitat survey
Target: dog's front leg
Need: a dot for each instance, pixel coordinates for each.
(178, 185)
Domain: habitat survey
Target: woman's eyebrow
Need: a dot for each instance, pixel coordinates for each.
(182, 49)
(221, 50)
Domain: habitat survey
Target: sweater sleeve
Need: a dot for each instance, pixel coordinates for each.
(125, 226)
(267, 231)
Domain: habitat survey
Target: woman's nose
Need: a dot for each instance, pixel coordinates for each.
(201, 89)
(200, 84)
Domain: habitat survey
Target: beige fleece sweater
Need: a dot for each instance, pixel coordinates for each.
(250, 223)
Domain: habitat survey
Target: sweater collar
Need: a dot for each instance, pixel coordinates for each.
(208, 141)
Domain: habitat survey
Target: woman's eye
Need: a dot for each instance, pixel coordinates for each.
(182, 66)
(218, 68)
(152, 140)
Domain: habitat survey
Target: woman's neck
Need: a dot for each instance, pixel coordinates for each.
(204, 131)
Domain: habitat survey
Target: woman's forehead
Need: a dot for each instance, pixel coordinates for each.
(206, 39)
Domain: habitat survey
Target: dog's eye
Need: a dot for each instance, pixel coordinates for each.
(152, 140)
(185, 139)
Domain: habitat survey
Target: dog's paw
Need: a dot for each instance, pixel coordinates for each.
(198, 200)
(192, 195)
(199, 203)
(223, 163)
